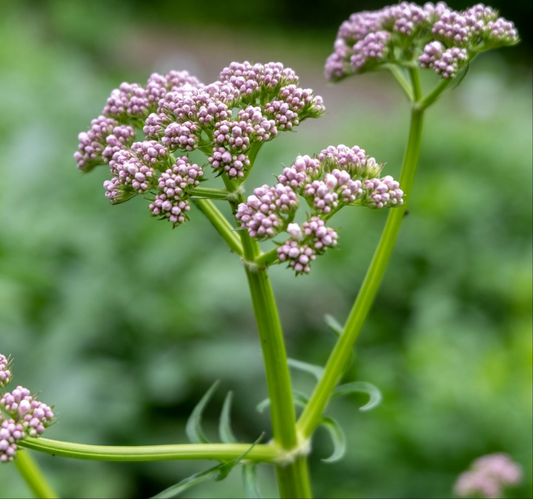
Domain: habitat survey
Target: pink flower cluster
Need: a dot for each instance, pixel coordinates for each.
(265, 212)
(445, 62)
(366, 39)
(339, 176)
(26, 416)
(306, 242)
(228, 120)
(488, 475)
(172, 201)
(5, 373)
(103, 139)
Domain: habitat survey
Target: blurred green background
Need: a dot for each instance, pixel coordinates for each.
(123, 323)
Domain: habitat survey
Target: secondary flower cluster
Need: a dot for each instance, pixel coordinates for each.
(21, 415)
(228, 120)
(488, 475)
(437, 36)
(338, 177)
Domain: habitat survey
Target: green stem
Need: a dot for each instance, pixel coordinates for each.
(216, 452)
(33, 476)
(268, 258)
(293, 482)
(209, 193)
(400, 78)
(415, 81)
(435, 94)
(219, 222)
(339, 357)
(288, 486)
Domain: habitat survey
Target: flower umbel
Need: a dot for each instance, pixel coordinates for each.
(21, 415)
(435, 36)
(488, 475)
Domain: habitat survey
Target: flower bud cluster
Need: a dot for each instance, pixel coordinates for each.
(366, 39)
(5, 372)
(445, 62)
(101, 141)
(306, 242)
(26, 416)
(265, 212)
(488, 475)
(339, 176)
(172, 200)
(382, 193)
(292, 105)
(228, 120)
(252, 80)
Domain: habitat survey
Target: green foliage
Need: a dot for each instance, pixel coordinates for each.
(249, 478)
(194, 423)
(360, 386)
(337, 437)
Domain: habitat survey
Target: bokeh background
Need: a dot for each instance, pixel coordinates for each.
(123, 323)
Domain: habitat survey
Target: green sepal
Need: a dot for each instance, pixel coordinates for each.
(194, 423)
(360, 386)
(249, 479)
(337, 437)
(224, 427)
(316, 371)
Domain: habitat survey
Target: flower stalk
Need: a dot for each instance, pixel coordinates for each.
(178, 452)
(336, 364)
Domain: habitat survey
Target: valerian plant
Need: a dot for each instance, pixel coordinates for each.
(145, 134)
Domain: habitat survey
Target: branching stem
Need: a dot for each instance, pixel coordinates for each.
(217, 452)
(312, 413)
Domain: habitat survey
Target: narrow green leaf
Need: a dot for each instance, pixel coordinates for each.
(337, 437)
(316, 371)
(249, 478)
(194, 423)
(177, 489)
(225, 468)
(333, 324)
(360, 386)
(299, 399)
(224, 427)
(262, 405)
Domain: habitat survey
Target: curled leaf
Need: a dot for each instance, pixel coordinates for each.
(337, 437)
(333, 324)
(316, 371)
(194, 423)
(224, 427)
(364, 387)
(249, 478)
(299, 399)
(177, 489)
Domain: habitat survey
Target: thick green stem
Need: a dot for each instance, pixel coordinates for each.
(293, 482)
(219, 222)
(33, 476)
(216, 452)
(343, 349)
(288, 485)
